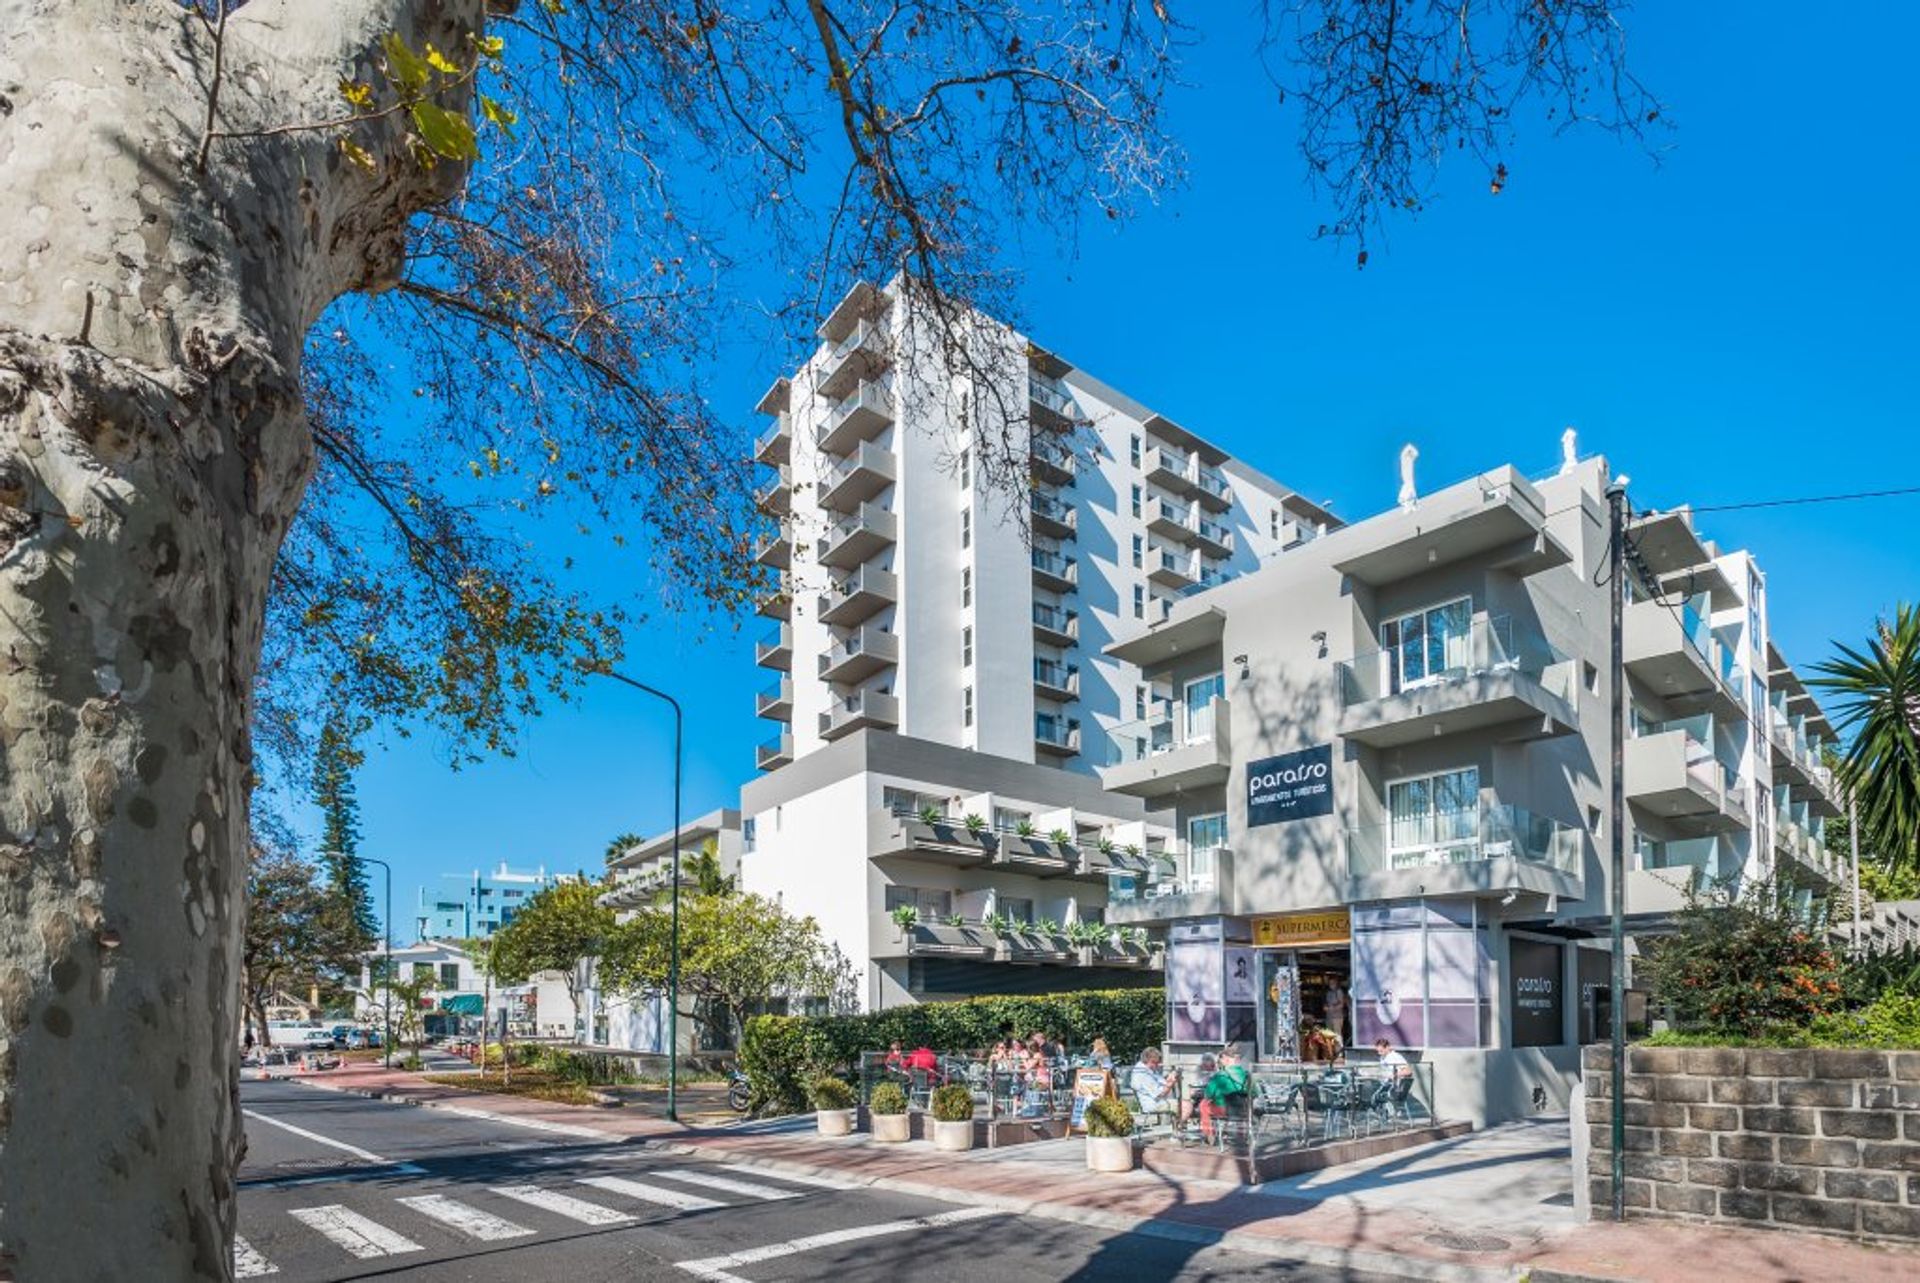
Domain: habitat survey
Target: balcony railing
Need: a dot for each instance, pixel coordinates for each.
(861, 414)
(1050, 512)
(1056, 619)
(1182, 871)
(1211, 482)
(1049, 394)
(772, 444)
(777, 751)
(1493, 831)
(1214, 533)
(1056, 676)
(1056, 564)
(1056, 732)
(1490, 645)
(1051, 456)
(1168, 726)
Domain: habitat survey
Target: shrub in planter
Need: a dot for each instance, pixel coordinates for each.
(1741, 963)
(832, 1105)
(1109, 1135)
(904, 917)
(953, 1118)
(975, 824)
(888, 1106)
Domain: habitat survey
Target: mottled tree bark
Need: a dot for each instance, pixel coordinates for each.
(153, 450)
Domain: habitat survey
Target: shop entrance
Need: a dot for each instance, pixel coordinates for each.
(1306, 994)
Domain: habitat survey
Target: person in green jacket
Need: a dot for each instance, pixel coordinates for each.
(1226, 1090)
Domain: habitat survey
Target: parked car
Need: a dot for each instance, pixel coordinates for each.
(298, 1033)
(361, 1039)
(317, 1040)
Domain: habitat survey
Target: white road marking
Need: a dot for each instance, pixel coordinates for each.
(653, 1193)
(317, 1138)
(724, 1184)
(531, 1124)
(563, 1205)
(363, 1238)
(468, 1220)
(249, 1264)
(574, 1209)
(818, 1182)
(718, 1269)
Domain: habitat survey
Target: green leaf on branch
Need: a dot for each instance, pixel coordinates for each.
(448, 133)
(498, 113)
(405, 67)
(440, 62)
(359, 155)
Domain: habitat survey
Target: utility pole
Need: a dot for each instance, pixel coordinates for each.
(673, 955)
(1853, 839)
(1617, 865)
(386, 930)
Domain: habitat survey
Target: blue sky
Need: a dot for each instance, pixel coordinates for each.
(1731, 324)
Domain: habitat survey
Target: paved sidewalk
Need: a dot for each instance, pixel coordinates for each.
(1489, 1206)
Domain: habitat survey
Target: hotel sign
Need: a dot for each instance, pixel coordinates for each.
(1302, 930)
(1292, 786)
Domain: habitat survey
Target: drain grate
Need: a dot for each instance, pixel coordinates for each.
(1467, 1242)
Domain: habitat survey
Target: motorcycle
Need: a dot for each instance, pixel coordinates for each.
(738, 1090)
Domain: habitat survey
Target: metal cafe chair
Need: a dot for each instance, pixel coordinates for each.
(1280, 1103)
(1332, 1095)
(920, 1090)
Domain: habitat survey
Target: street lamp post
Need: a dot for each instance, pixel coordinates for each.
(386, 930)
(673, 954)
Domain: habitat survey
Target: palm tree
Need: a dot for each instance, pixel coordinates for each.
(1878, 695)
(621, 844)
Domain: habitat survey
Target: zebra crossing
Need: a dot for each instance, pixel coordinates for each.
(496, 1213)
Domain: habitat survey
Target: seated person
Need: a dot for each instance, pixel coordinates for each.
(1099, 1056)
(1392, 1063)
(896, 1059)
(1157, 1090)
(1225, 1091)
(1202, 1074)
(922, 1058)
(1318, 1043)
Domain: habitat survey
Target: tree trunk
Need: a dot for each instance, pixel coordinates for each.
(153, 450)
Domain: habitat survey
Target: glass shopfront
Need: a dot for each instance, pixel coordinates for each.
(1305, 969)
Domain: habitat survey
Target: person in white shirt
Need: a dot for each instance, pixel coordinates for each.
(1157, 1090)
(1396, 1065)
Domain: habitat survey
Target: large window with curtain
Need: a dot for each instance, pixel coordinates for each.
(1434, 819)
(1423, 646)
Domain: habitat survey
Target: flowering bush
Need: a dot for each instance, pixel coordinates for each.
(1743, 965)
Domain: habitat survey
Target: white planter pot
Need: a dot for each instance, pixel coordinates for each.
(953, 1137)
(892, 1128)
(834, 1122)
(1110, 1153)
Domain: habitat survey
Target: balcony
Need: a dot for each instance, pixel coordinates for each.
(858, 596)
(1054, 570)
(775, 701)
(1190, 883)
(861, 354)
(1052, 462)
(1215, 540)
(1176, 749)
(1055, 680)
(774, 445)
(1056, 736)
(1055, 625)
(860, 710)
(776, 550)
(1053, 405)
(1496, 521)
(1211, 488)
(863, 474)
(1496, 678)
(777, 601)
(1175, 570)
(1487, 851)
(859, 655)
(1670, 649)
(1168, 519)
(774, 753)
(1053, 516)
(859, 417)
(856, 537)
(1170, 468)
(775, 494)
(1664, 872)
(952, 840)
(1788, 745)
(775, 648)
(1672, 772)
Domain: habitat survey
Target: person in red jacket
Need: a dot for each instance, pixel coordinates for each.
(922, 1057)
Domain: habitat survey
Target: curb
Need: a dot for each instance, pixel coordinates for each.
(1385, 1264)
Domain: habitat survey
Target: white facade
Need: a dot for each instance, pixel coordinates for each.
(459, 985)
(912, 600)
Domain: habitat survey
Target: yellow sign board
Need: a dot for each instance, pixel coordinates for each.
(1302, 930)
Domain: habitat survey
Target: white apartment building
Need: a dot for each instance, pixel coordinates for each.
(911, 598)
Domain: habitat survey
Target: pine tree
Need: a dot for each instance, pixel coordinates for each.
(335, 761)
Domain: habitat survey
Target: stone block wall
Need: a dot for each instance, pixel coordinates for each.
(1805, 1140)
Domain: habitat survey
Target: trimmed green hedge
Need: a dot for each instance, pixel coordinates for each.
(780, 1054)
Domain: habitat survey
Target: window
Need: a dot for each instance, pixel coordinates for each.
(966, 585)
(1139, 601)
(928, 905)
(1015, 909)
(1134, 449)
(966, 527)
(966, 646)
(1424, 646)
(1140, 703)
(747, 833)
(423, 971)
(1136, 501)
(900, 801)
(1206, 835)
(1008, 820)
(1139, 551)
(1200, 697)
(1273, 522)
(1592, 674)
(966, 706)
(449, 975)
(966, 469)
(1434, 819)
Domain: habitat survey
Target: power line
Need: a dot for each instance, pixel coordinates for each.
(1825, 498)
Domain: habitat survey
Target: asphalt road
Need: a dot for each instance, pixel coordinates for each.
(340, 1187)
